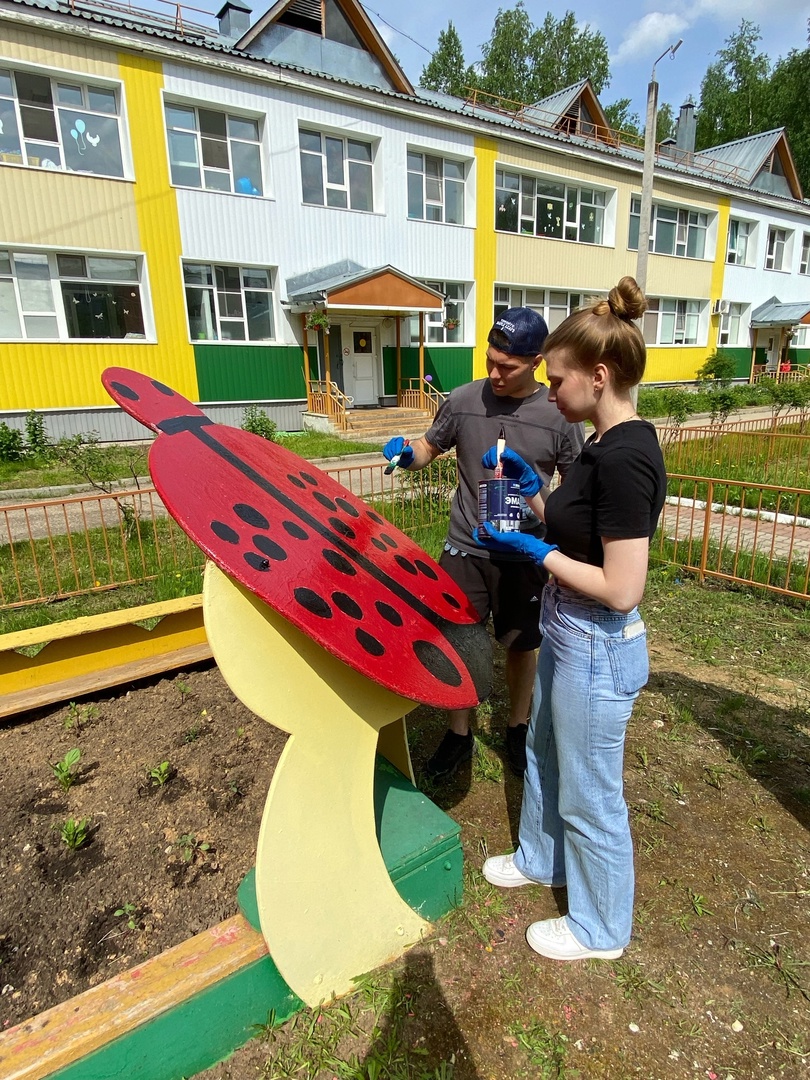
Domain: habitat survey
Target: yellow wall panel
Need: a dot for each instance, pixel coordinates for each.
(675, 363)
(719, 268)
(668, 275)
(49, 208)
(74, 53)
(485, 247)
(559, 264)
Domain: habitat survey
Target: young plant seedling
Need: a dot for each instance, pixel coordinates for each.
(191, 847)
(75, 832)
(78, 716)
(66, 770)
(160, 774)
(130, 912)
(183, 689)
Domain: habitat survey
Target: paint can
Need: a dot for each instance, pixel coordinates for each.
(499, 503)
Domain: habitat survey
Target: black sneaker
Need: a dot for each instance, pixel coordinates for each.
(450, 753)
(516, 748)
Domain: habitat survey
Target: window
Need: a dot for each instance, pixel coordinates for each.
(229, 303)
(730, 326)
(535, 206)
(673, 231)
(671, 322)
(62, 296)
(801, 339)
(50, 123)
(775, 254)
(804, 261)
(553, 304)
(445, 327)
(435, 188)
(336, 171)
(740, 234)
(214, 150)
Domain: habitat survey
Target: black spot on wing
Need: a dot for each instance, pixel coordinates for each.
(378, 544)
(125, 391)
(252, 558)
(389, 540)
(294, 529)
(405, 564)
(310, 479)
(473, 645)
(375, 517)
(439, 664)
(342, 528)
(369, 643)
(427, 570)
(451, 600)
(313, 603)
(269, 548)
(163, 388)
(388, 613)
(296, 481)
(224, 532)
(344, 504)
(324, 500)
(338, 562)
(251, 516)
(347, 605)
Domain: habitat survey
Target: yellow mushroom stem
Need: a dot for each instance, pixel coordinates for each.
(328, 909)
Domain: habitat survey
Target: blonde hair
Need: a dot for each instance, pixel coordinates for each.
(603, 332)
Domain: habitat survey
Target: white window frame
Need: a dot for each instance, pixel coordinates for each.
(804, 258)
(337, 194)
(228, 305)
(729, 332)
(101, 275)
(456, 294)
(205, 141)
(74, 115)
(526, 192)
(436, 176)
(688, 221)
(733, 257)
(801, 339)
(554, 305)
(684, 316)
(777, 250)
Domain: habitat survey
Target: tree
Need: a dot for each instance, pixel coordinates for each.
(786, 106)
(733, 94)
(621, 119)
(561, 54)
(665, 123)
(446, 70)
(505, 67)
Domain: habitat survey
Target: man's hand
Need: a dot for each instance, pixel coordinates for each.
(515, 468)
(514, 543)
(398, 452)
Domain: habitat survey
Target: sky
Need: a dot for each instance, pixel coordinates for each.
(634, 42)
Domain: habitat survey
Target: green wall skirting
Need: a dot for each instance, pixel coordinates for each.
(450, 366)
(249, 372)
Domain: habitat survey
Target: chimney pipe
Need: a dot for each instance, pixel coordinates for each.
(234, 19)
(685, 129)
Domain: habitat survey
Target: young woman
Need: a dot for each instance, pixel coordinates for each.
(593, 661)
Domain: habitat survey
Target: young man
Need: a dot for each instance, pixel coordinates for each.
(470, 419)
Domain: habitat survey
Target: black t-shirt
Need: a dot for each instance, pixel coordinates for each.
(615, 489)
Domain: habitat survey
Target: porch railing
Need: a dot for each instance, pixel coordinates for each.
(418, 394)
(327, 399)
(796, 373)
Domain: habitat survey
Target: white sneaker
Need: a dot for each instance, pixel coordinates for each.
(501, 870)
(552, 938)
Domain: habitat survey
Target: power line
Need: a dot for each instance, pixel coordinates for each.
(397, 30)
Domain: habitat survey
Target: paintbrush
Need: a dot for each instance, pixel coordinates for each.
(389, 468)
(501, 446)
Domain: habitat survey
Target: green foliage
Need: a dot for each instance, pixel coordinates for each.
(259, 423)
(79, 715)
(718, 369)
(545, 1049)
(160, 774)
(12, 444)
(74, 832)
(786, 106)
(446, 71)
(192, 848)
(734, 90)
(665, 123)
(66, 770)
(130, 912)
(36, 434)
(621, 119)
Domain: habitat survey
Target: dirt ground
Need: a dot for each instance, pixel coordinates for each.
(714, 984)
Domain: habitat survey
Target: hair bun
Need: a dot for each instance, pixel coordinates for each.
(626, 300)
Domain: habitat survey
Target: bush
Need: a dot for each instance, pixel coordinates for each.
(259, 423)
(12, 444)
(36, 435)
(718, 370)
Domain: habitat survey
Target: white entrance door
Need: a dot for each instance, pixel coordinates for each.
(362, 366)
(773, 339)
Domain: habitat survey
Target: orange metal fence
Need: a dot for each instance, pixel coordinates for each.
(757, 534)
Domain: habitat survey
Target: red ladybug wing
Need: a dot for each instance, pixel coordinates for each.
(148, 400)
(325, 560)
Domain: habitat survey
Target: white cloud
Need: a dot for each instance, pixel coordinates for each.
(649, 36)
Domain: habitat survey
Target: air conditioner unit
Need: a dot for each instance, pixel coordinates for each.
(721, 307)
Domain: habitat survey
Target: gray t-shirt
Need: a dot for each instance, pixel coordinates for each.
(470, 419)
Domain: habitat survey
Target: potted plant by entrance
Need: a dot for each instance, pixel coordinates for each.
(318, 320)
(451, 323)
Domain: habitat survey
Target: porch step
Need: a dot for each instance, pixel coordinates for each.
(373, 425)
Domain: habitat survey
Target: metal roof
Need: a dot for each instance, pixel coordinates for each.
(315, 285)
(774, 313)
(746, 155)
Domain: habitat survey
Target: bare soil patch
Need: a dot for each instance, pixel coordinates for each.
(714, 984)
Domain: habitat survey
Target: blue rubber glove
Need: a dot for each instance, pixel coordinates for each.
(513, 543)
(396, 448)
(514, 468)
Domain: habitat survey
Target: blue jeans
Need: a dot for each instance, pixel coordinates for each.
(573, 823)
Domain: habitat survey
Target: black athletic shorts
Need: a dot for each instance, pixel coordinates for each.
(509, 591)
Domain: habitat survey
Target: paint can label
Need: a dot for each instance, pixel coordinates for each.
(499, 502)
